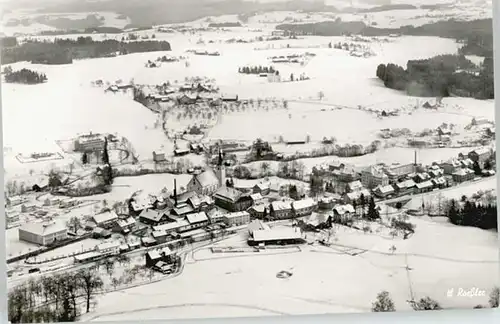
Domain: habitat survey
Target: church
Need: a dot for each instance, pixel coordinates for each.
(209, 181)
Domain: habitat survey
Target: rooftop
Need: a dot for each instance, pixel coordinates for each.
(207, 178)
(237, 214)
(105, 217)
(43, 229)
(343, 209)
(228, 194)
(276, 234)
(304, 203)
(171, 226)
(197, 218)
(281, 205)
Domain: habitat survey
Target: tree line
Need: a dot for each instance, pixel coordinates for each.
(54, 298)
(440, 76)
(23, 76)
(384, 302)
(64, 51)
(469, 213)
(257, 70)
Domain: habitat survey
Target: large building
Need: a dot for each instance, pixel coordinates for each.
(275, 237)
(232, 200)
(89, 143)
(43, 233)
(374, 176)
(237, 219)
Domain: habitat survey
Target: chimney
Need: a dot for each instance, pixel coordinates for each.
(415, 158)
(175, 192)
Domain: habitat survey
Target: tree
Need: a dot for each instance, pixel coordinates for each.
(105, 154)
(74, 224)
(426, 303)
(494, 297)
(373, 213)
(54, 179)
(362, 203)
(383, 303)
(90, 282)
(477, 168)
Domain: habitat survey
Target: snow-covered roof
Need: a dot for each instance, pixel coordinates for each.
(237, 214)
(207, 178)
(43, 229)
(108, 216)
(343, 209)
(108, 246)
(425, 184)
(481, 151)
(304, 203)
(281, 205)
(385, 189)
(357, 194)
(171, 226)
(256, 197)
(154, 215)
(276, 234)
(154, 254)
(355, 185)
(197, 218)
(126, 222)
(228, 193)
(157, 234)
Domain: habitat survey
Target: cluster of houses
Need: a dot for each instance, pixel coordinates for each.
(386, 181)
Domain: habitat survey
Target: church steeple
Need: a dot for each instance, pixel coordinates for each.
(220, 171)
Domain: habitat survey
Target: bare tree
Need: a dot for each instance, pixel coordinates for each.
(90, 282)
(426, 303)
(74, 224)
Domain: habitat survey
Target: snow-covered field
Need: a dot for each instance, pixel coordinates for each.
(70, 102)
(324, 280)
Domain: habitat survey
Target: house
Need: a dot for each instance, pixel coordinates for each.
(421, 177)
(444, 130)
(343, 213)
(205, 183)
(42, 233)
(354, 186)
(196, 147)
(479, 121)
(153, 217)
(280, 209)
(440, 182)
(237, 218)
(160, 236)
(256, 198)
(181, 152)
(374, 176)
(258, 211)
(435, 173)
(425, 186)
(15, 200)
(197, 220)
(148, 241)
(109, 248)
(182, 210)
(159, 157)
(405, 187)
(449, 167)
(304, 207)
(463, 175)
(105, 220)
(52, 201)
(480, 155)
(178, 226)
(355, 197)
(336, 165)
(281, 236)
(100, 233)
(261, 188)
(187, 99)
(215, 216)
(384, 191)
(155, 256)
(346, 175)
(125, 226)
(232, 200)
(326, 203)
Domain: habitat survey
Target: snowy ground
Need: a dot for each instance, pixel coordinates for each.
(69, 101)
(437, 263)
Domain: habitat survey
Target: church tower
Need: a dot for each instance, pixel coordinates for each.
(220, 171)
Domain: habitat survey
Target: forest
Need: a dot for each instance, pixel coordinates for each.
(23, 76)
(440, 76)
(256, 69)
(64, 51)
(469, 213)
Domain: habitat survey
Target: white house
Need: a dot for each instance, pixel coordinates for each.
(43, 233)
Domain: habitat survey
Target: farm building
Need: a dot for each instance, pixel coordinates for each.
(237, 218)
(276, 237)
(42, 233)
